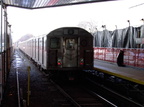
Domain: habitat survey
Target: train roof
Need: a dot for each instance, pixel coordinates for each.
(67, 31)
(34, 4)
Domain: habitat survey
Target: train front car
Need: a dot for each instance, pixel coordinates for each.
(69, 49)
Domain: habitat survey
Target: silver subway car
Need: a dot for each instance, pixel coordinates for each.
(69, 48)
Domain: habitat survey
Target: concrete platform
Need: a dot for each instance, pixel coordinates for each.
(128, 73)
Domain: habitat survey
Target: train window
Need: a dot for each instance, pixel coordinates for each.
(54, 43)
(70, 43)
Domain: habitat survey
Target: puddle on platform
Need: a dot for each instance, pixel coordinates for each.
(17, 61)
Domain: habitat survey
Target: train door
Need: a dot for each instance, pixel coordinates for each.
(40, 50)
(45, 52)
(37, 53)
(53, 47)
(70, 48)
(34, 49)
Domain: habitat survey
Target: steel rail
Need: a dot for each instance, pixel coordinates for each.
(115, 93)
(110, 103)
(66, 95)
(18, 90)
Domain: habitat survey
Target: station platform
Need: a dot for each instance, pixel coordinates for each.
(42, 92)
(129, 73)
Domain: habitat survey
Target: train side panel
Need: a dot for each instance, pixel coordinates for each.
(34, 49)
(42, 52)
(45, 52)
(37, 49)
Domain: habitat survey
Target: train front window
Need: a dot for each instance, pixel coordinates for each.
(54, 43)
(70, 43)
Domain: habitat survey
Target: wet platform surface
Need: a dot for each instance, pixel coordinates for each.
(129, 73)
(42, 92)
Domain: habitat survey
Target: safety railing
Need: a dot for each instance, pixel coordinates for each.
(133, 57)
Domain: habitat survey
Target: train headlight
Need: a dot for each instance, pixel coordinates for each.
(81, 61)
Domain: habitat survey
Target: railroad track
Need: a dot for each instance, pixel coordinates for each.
(78, 94)
(79, 97)
(72, 95)
(111, 95)
(85, 93)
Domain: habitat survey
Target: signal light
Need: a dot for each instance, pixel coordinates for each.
(59, 63)
(81, 63)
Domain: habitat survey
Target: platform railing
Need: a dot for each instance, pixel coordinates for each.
(132, 57)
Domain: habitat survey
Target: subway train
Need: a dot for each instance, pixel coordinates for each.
(66, 49)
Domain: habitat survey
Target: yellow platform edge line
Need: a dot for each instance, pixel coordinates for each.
(120, 76)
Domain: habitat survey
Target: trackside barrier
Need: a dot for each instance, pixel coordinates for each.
(132, 57)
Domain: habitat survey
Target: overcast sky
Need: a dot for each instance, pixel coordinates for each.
(41, 21)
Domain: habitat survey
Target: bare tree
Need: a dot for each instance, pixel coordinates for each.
(90, 26)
